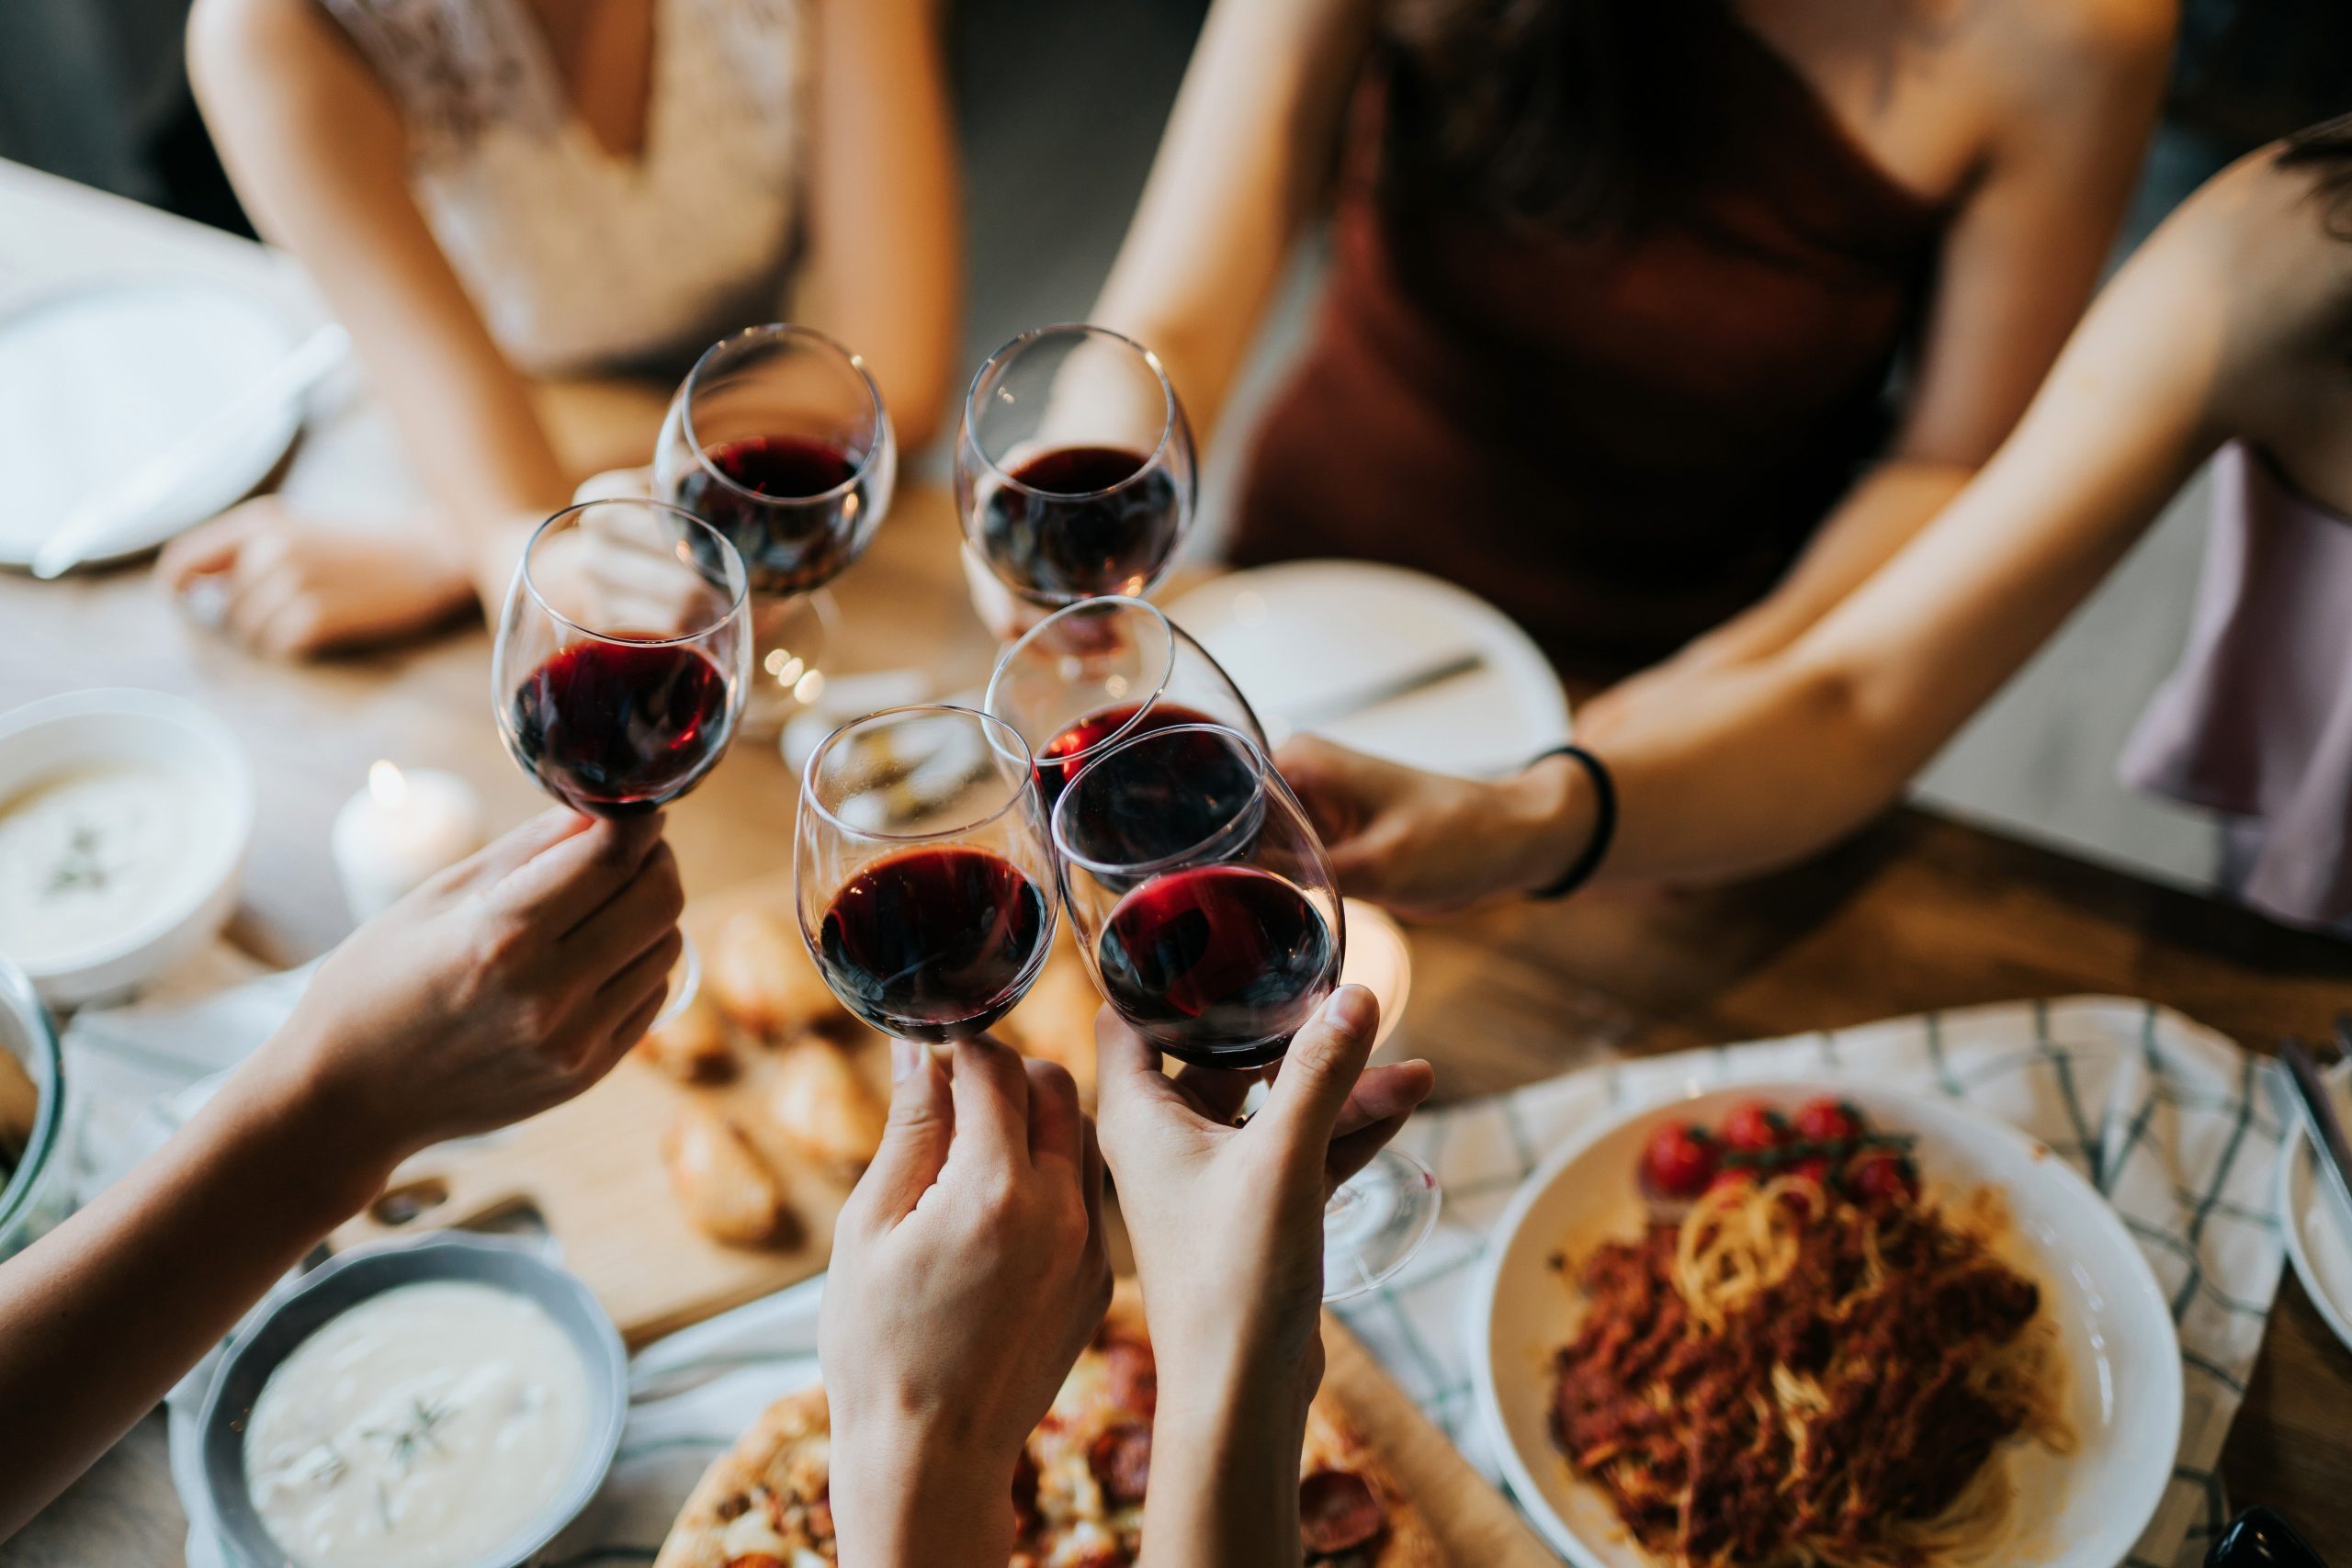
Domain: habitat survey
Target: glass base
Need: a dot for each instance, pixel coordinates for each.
(1376, 1222)
(789, 639)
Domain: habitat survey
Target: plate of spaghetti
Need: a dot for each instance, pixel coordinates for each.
(1808, 1325)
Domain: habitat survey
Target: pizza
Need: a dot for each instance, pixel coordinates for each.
(1078, 1488)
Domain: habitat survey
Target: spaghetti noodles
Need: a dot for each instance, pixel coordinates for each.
(1794, 1376)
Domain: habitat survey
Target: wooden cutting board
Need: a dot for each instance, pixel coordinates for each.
(1478, 1527)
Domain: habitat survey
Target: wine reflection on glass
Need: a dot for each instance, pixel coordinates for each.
(1075, 473)
(1095, 672)
(779, 439)
(923, 872)
(1204, 908)
(622, 648)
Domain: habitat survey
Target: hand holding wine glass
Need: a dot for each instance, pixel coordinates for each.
(1205, 911)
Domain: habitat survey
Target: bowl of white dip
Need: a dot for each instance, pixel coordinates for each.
(124, 819)
(448, 1402)
(33, 1164)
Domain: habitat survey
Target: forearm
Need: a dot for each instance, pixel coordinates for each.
(907, 1497)
(99, 1318)
(1225, 1458)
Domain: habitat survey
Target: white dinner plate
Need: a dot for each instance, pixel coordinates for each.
(2316, 1242)
(96, 380)
(2078, 1510)
(1302, 637)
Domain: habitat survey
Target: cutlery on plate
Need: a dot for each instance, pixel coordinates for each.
(1349, 702)
(99, 518)
(2320, 1119)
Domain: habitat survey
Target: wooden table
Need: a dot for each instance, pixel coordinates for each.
(1919, 911)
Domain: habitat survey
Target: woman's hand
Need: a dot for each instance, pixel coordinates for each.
(969, 1270)
(294, 587)
(506, 984)
(1427, 845)
(1226, 1224)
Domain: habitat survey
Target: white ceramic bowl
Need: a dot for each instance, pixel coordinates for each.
(2078, 1510)
(2317, 1243)
(127, 727)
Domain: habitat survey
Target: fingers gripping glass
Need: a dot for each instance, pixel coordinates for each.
(1074, 465)
(921, 870)
(778, 438)
(618, 675)
(1088, 676)
(1205, 908)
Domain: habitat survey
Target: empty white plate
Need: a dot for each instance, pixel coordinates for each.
(2316, 1240)
(1308, 642)
(94, 381)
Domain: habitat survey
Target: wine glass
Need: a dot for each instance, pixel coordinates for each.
(778, 439)
(1206, 909)
(922, 871)
(619, 671)
(1099, 671)
(1074, 465)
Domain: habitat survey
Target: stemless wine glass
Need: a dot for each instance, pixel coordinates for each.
(778, 439)
(922, 871)
(1095, 672)
(619, 671)
(1205, 907)
(1074, 467)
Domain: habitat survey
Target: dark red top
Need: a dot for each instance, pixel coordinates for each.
(1620, 441)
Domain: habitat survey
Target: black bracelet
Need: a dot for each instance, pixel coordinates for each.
(1604, 821)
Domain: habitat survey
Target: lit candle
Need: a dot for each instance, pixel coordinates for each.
(1378, 960)
(399, 830)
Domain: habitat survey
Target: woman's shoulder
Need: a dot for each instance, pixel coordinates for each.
(2058, 51)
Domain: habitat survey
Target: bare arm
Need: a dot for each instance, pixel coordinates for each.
(477, 1001)
(2017, 266)
(885, 263)
(318, 152)
(1246, 154)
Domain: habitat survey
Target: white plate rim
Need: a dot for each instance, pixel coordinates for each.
(1528, 1492)
(55, 295)
(2298, 1174)
(1555, 725)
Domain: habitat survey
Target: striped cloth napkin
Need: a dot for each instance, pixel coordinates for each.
(2172, 1122)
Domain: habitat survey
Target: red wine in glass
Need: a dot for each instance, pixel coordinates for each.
(785, 549)
(1055, 759)
(616, 728)
(934, 944)
(1218, 965)
(1074, 527)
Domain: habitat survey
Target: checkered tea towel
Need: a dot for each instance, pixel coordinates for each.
(2174, 1123)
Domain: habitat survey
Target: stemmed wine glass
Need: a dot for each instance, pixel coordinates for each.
(619, 671)
(778, 439)
(1095, 672)
(923, 870)
(1205, 908)
(1074, 465)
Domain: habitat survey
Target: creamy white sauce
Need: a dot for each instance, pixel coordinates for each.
(86, 855)
(424, 1428)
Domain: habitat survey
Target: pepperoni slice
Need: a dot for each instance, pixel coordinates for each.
(756, 1559)
(1134, 1377)
(1121, 1460)
(1337, 1512)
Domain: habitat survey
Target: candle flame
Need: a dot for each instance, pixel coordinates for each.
(387, 784)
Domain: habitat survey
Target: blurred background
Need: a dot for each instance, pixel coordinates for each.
(1061, 105)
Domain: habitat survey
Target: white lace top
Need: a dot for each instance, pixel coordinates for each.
(576, 258)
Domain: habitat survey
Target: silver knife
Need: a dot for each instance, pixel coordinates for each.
(1363, 699)
(2328, 1145)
